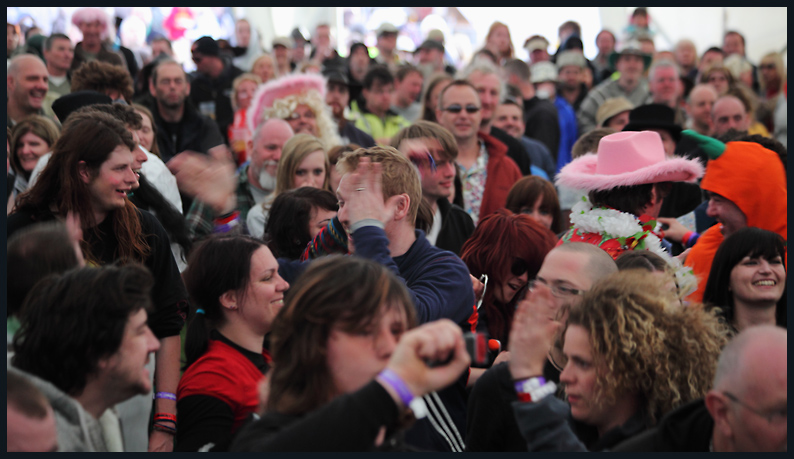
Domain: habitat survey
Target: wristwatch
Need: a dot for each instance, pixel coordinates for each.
(534, 389)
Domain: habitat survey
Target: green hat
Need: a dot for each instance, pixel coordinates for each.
(631, 48)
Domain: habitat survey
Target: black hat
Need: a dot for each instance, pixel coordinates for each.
(207, 46)
(335, 75)
(431, 44)
(654, 116)
(68, 103)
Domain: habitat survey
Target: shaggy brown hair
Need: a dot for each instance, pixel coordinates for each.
(103, 77)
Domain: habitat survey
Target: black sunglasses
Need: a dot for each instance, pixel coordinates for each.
(519, 267)
(456, 108)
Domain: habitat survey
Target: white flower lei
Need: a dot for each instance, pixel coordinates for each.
(614, 224)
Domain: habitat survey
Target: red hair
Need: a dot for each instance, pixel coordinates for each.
(498, 240)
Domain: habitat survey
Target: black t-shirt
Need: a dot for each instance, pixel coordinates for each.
(168, 293)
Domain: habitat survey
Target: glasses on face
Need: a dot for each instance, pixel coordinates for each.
(456, 108)
(773, 417)
(519, 267)
(556, 290)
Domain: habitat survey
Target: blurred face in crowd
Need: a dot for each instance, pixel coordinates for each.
(171, 88)
(499, 40)
(437, 182)
(60, 55)
(769, 73)
(322, 36)
(126, 369)
(728, 214)
(266, 152)
(579, 377)
(685, 54)
(456, 104)
(387, 42)
(245, 92)
(732, 44)
(409, 88)
(488, 88)
(303, 120)
(29, 149)
(161, 47)
(510, 118)
(12, 38)
(570, 76)
(354, 359)
(359, 62)
(605, 42)
(538, 213)
(630, 67)
(709, 59)
(337, 97)
(701, 101)
(145, 133)
(719, 81)
(729, 113)
(665, 86)
(311, 171)
(282, 55)
(28, 86)
(264, 68)
(619, 121)
(378, 97)
(242, 31)
(92, 33)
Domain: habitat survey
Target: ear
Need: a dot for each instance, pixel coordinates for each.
(82, 169)
(401, 203)
(187, 87)
(151, 87)
(228, 299)
(717, 405)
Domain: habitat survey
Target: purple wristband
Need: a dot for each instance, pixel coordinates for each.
(167, 395)
(398, 385)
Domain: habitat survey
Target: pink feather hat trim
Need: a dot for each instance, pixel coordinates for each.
(628, 159)
(280, 88)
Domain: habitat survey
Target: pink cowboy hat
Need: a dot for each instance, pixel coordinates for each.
(628, 159)
(280, 88)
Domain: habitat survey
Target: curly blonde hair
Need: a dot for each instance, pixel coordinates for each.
(326, 128)
(644, 342)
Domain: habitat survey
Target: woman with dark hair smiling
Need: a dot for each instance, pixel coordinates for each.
(233, 283)
(747, 281)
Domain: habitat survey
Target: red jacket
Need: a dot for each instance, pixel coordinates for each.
(502, 173)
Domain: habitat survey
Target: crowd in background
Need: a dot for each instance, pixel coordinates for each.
(287, 249)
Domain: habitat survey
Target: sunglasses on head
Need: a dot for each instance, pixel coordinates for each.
(519, 267)
(456, 108)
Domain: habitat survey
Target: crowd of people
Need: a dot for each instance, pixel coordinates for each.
(307, 252)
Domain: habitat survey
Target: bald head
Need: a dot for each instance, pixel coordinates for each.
(729, 113)
(749, 400)
(26, 85)
(271, 127)
(759, 350)
(597, 263)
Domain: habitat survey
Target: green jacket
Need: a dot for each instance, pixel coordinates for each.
(375, 126)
